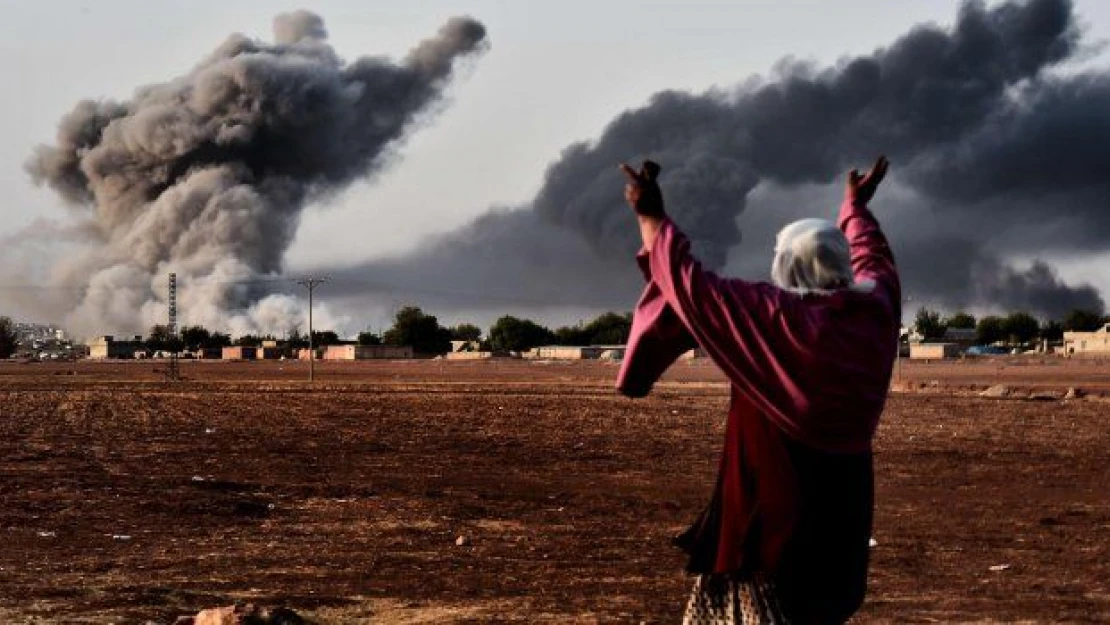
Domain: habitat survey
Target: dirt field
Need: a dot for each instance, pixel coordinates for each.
(126, 500)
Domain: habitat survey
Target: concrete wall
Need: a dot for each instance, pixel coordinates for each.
(469, 355)
(933, 351)
(367, 352)
(561, 352)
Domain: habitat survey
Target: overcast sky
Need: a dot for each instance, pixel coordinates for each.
(555, 74)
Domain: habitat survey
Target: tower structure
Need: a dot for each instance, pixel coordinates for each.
(173, 372)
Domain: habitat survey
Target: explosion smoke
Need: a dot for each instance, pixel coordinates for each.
(207, 174)
(986, 141)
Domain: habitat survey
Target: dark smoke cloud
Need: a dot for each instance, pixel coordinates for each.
(207, 174)
(995, 156)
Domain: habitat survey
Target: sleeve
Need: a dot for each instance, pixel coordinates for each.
(656, 341)
(872, 258)
(735, 321)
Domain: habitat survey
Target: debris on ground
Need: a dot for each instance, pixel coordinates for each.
(998, 390)
(244, 614)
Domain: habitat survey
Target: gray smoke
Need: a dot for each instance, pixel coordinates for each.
(995, 155)
(207, 175)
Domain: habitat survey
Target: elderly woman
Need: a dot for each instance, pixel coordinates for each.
(809, 358)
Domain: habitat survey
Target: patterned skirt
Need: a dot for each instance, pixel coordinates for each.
(734, 600)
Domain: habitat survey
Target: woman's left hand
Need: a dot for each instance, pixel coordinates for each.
(642, 190)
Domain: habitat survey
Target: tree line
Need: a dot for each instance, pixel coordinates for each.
(418, 329)
(423, 332)
(1015, 328)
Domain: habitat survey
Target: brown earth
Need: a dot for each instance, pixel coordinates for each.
(127, 500)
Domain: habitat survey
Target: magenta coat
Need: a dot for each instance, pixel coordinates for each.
(809, 377)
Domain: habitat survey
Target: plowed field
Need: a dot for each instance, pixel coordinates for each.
(421, 492)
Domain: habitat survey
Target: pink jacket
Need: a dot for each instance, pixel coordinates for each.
(817, 366)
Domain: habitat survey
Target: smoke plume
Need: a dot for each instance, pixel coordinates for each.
(206, 175)
(996, 155)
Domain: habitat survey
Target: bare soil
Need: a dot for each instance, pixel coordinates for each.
(128, 500)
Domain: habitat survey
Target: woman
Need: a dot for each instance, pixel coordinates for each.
(785, 536)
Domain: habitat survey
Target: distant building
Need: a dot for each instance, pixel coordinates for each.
(566, 352)
(269, 352)
(466, 355)
(208, 353)
(367, 352)
(465, 346)
(934, 351)
(239, 352)
(107, 346)
(1088, 343)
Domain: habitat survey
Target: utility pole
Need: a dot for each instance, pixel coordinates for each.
(311, 284)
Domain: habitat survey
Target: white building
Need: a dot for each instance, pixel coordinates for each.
(1092, 343)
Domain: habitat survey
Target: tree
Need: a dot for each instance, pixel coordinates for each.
(929, 325)
(8, 338)
(610, 329)
(323, 338)
(195, 336)
(512, 334)
(421, 331)
(572, 335)
(160, 339)
(466, 332)
(1082, 321)
(606, 329)
(295, 339)
(369, 338)
(1021, 327)
(960, 320)
(990, 330)
(249, 340)
(1052, 331)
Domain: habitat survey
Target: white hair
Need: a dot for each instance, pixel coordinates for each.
(812, 256)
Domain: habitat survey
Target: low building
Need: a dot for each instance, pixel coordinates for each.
(934, 351)
(1095, 343)
(566, 352)
(208, 353)
(239, 352)
(466, 355)
(367, 352)
(269, 352)
(465, 346)
(107, 346)
(304, 353)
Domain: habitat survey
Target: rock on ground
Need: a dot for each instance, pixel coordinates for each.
(997, 390)
(244, 614)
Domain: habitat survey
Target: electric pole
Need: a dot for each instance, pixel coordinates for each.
(311, 284)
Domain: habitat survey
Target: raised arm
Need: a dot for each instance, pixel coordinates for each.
(730, 319)
(872, 259)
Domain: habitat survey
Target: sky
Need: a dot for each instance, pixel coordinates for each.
(555, 73)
